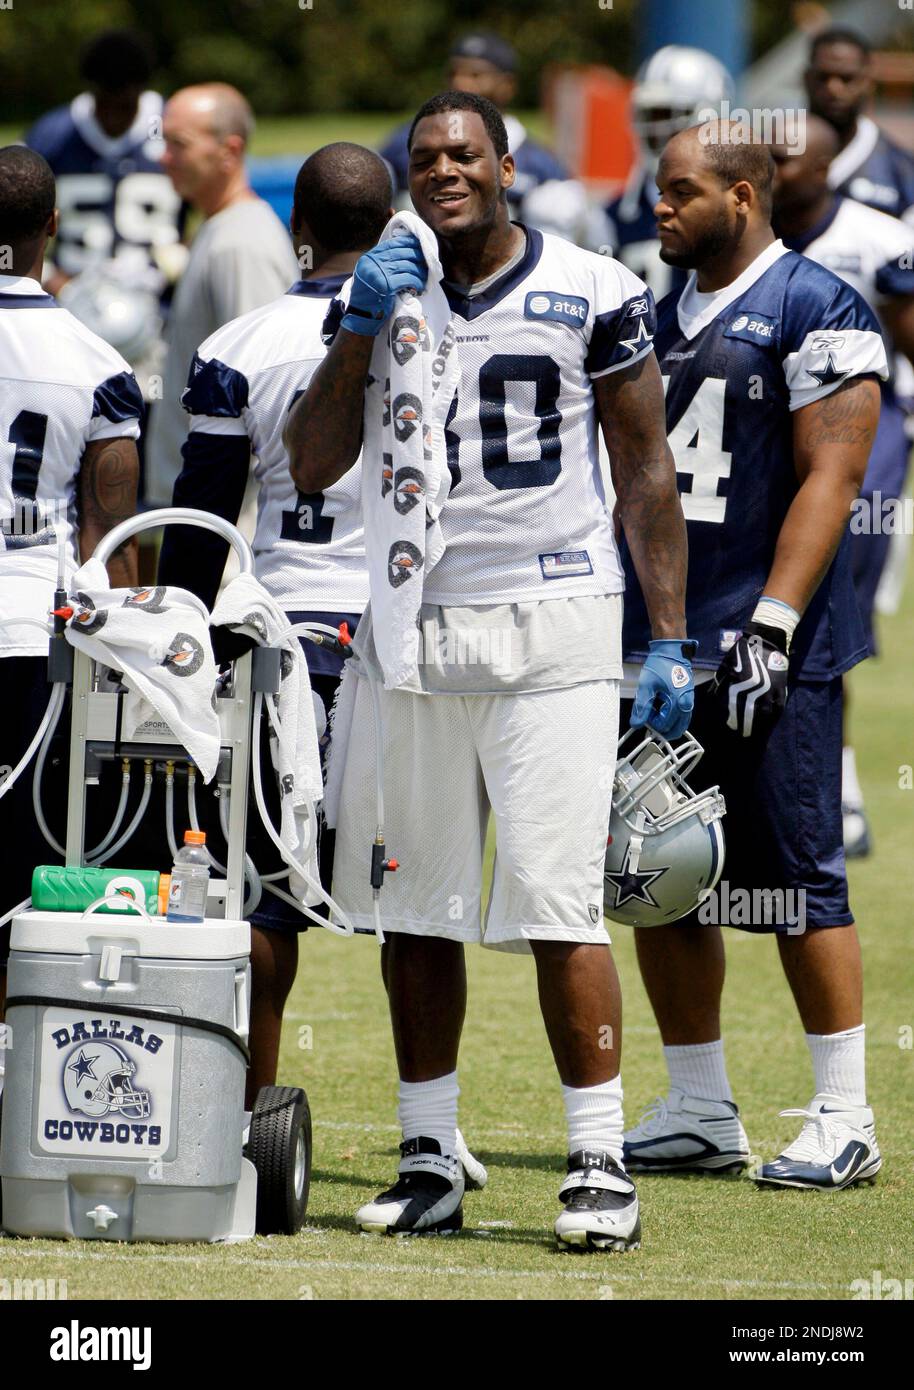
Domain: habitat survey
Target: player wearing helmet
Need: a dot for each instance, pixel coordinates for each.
(671, 88)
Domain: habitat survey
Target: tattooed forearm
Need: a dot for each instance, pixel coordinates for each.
(107, 492)
(323, 433)
(631, 411)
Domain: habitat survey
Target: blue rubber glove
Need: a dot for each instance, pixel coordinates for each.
(397, 264)
(666, 692)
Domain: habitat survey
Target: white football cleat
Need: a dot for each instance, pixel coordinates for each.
(601, 1205)
(475, 1174)
(425, 1199)
(836, 1148)
(681, 1133)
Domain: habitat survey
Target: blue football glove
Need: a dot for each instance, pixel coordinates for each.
(397, 264)
(666, 693)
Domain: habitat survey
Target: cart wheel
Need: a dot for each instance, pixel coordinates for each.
(279, 1146)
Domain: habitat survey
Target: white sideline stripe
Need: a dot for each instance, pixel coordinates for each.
(513, 1130)
(449, 1271)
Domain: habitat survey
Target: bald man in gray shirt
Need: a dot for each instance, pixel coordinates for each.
(241, 257)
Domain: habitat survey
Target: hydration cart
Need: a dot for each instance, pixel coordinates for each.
(123, 1111)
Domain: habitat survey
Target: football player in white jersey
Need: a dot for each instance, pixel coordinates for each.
(70, 414)
(308, 546)
(551, 339)
(875, 253)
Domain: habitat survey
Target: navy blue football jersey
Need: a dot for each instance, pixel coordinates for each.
(114, 199)
(632, 231)
(874, 170)
(785, 333)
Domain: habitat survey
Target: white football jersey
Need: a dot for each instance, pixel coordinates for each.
(61, 387)
(526, 516)
(309, 547)
(870, 250)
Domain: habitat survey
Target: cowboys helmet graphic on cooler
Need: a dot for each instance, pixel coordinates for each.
(93, 618)
(148, 600)
(387, 473)
(407, 335)
(97, 1081)
(407, 413)
(409, 488)
(184, 656)
(403, 561)
(385, 418)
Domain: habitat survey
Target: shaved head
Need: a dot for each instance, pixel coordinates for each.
(732, 157)
(222, 108)
(714, 207)
(206, 129)
(801, 179)
(343, 194)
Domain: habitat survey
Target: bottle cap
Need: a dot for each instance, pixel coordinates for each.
(195, 837)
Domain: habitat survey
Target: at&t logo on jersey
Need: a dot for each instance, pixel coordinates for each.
(561, 308)
(753, 328)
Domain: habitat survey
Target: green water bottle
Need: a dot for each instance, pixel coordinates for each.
(59, 888)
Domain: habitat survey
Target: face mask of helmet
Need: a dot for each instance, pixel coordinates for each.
(671, 90)
(665, 849)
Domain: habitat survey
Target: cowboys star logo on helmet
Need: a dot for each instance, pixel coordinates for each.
(97, 1081)
(409, 489)
(403, 561)
(666, 848)
(407, 412)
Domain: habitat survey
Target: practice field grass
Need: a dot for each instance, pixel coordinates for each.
(703, 1237)
(293, 135)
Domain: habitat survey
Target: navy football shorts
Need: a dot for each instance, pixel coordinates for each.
(783, 826)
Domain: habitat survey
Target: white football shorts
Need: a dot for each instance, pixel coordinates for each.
(541, 761)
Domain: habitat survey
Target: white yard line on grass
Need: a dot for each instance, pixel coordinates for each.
(445, 1271)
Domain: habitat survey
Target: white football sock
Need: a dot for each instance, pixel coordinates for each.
(839, 1064)
(594, 1115)
(698, 1069)
(430, 1108)
(851, 790)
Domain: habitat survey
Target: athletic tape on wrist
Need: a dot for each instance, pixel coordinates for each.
(773, 612)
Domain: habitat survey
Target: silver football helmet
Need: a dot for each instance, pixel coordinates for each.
(97, 1081)
(671, 89)
(665, 849)
(125, 316)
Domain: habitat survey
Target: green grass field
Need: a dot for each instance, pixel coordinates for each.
(293, 135)
(704, 1238)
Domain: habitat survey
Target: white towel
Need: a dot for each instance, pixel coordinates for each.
(412, 379)
(158, 638)
(245, 606)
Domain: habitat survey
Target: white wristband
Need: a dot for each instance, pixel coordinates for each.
(773, 612)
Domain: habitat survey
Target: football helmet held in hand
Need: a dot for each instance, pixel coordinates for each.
(665, 849)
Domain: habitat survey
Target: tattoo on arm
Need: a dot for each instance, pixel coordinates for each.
(841, 418)
(632, 414)
(107, 492)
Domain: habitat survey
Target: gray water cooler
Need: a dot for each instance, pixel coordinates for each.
(123, 1108)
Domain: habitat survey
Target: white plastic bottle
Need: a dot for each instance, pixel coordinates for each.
(189, 880)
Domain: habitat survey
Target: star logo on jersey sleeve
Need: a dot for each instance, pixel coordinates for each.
(633, 884)
(829, 374)
(640, 340)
